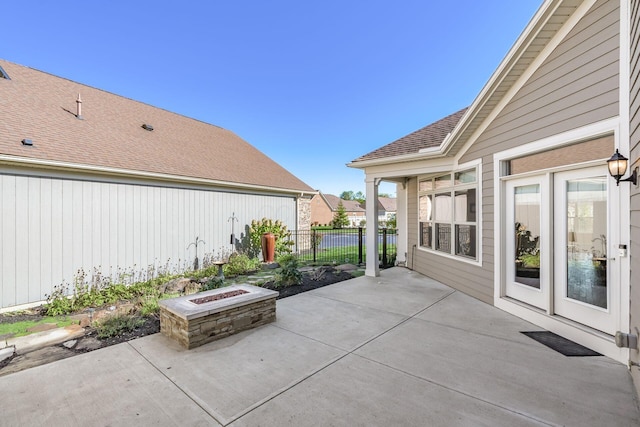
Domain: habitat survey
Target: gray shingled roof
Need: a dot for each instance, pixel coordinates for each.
(428, 137)
(388, 204)
(349, 205)
(41, 107)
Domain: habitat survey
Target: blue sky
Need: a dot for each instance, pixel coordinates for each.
(312, 84)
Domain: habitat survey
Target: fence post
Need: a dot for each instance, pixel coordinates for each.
(313, 243)
(384, 246)
(359, 245)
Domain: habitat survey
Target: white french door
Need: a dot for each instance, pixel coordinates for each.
(585, 268)
(557, 246)
(527, 241)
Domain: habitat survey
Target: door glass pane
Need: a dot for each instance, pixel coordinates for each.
(586, 218)
(527, 235)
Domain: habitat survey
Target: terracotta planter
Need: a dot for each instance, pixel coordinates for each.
(268, 247)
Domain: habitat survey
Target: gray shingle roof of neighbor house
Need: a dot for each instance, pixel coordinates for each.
(428, 137)
(349, 205)
(387, 203)
(110, 137)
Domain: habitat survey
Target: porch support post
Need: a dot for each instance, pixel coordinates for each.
(401, 224)
(372, 268)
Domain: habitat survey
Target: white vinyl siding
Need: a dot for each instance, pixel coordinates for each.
(52, 227)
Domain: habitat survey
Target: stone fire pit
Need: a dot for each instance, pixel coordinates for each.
(197, 319)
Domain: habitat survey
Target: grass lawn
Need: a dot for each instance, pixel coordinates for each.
(20, 329)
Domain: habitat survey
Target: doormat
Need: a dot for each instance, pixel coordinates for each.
(561, 344)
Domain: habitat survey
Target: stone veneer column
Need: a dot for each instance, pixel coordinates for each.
(304, 212)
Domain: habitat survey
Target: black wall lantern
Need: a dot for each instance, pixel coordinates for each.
(618, 167)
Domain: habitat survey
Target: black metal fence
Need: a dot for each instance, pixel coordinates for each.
(343, 245)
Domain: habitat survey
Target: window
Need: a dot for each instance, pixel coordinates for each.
(447, 213)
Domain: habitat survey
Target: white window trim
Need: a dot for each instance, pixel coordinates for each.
(477, 164)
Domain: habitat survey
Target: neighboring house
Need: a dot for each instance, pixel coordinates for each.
(110, 186)
(386, 208)
(510, 200)
(325, 206)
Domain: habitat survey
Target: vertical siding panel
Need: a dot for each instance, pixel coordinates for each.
(137, 227)
(128, 237)
(76, 228)
(8, 261)
(176, 243)
(57, 251)
(32, 261)
(113, 230)
(22, 240)
(163, 226)
(151, 223)
(122, 228)
(105, 228)
(144, 231)
(157, 224)
(97, 245)
(67, 231)
(87, 260)
(46, 235)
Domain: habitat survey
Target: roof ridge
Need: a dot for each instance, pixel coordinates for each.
(113, 93)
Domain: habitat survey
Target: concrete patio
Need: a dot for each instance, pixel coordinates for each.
(397, 350)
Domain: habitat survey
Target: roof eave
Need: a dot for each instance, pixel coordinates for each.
(434, 153)
(127, 173)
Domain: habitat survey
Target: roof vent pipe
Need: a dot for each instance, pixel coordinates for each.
(79, 103)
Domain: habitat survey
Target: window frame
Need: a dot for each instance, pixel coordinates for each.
(430, 220)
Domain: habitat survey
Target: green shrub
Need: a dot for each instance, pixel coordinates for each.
(58, 303)
(282, 234)
(116, 325)
(288, 274)
(241, 264)
(149, 306)
(214, 282)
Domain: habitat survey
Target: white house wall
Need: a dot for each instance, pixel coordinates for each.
(52, 227)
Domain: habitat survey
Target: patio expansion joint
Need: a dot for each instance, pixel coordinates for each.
(454, 390)
(337, 359)
(183, 391)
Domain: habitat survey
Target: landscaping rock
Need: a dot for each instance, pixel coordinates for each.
(6, 353)
(38, 340)
(89, 344)
(42, 327)
(70, 343)
(176, 285)
(82, 319)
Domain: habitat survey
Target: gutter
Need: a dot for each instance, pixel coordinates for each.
(423, 155)
(126, 173)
